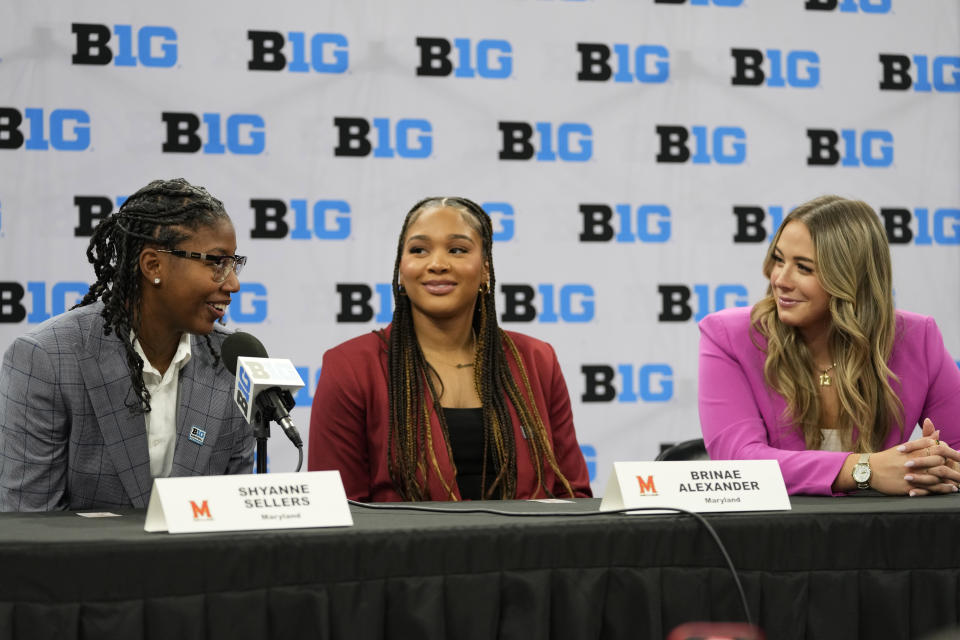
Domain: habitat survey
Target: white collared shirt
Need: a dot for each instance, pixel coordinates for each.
(162, 419)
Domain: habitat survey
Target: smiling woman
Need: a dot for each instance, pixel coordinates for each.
(98, 401)
(443, 404)
(824, 375)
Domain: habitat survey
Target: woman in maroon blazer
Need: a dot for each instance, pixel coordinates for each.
(443, 404)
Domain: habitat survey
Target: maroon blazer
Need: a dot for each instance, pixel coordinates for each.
(350, 423)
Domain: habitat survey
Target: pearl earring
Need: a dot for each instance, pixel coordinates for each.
(156, 281)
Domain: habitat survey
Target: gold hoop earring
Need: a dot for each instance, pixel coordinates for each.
(485, 288)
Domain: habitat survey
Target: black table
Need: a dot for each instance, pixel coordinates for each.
(867, 567)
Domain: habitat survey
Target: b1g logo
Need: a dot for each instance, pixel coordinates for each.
(239, 134)
(750, 222)
(920, 227)
(328, 52)
(90, 211)
(944, 72)
(627, 383)
(244, 387)
(62, 130)
(324, 220)
(849, 6)
(357, 302)
(15, 307)
(484, 59)
(646, 223)
(675, 302)
(573, 141)
(249, 304)
(502, 217)
(725, 145)
(875, 148)
(573, 303)
(798, 69)
(646, 63)
(408, 138)
(902, 226)
(155, 46)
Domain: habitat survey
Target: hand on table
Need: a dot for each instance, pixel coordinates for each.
(936, 466)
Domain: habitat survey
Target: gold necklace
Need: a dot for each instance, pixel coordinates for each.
(825, 379)
(463, 365)
(458, 365)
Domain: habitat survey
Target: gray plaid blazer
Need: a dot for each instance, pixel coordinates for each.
(68, 439)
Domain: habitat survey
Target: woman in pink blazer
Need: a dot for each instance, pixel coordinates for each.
(824, 375)
(443, 404)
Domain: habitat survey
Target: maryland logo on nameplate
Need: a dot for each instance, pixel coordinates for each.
(248, 502)
(701, 486)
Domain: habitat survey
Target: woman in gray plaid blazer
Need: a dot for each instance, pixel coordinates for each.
(128, 385)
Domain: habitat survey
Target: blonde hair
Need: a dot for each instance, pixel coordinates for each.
(853, 267)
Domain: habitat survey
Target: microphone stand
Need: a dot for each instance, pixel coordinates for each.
(263, 415)
(261, 431)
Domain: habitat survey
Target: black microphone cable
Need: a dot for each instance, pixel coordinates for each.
(574, 514)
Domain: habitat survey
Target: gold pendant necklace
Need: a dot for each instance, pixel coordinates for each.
(463, 365)
(825, 380)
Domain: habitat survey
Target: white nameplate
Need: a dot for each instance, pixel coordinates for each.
(704, 485)
(248, 502)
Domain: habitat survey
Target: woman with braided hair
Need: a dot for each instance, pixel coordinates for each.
(443, 404)
(127, 386)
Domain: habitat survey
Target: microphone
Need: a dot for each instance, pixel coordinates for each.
(262, 382)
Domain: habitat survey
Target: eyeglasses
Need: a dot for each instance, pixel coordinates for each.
(222, 266)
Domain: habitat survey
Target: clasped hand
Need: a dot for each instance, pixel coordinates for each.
(917, 468)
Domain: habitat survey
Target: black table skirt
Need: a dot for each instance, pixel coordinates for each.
(846, 568)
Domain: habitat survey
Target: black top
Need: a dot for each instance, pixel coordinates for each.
(465, 427)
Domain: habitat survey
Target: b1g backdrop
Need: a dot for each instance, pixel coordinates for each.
(635, 156)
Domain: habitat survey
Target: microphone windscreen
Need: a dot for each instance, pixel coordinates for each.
(240, 344)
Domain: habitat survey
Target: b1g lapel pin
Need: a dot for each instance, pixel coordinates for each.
(197, 435)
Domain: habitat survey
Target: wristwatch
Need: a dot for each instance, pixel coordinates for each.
(861, 471)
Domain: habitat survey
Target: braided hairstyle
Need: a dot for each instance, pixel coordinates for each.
(411, 448)
(160, 214)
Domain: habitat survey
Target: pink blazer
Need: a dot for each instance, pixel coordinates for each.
(742, 418)
(349, 423)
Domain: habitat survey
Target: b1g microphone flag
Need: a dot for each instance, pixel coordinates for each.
(256, 375)
(262, 380)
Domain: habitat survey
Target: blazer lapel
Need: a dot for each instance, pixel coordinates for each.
(197, 431)
(107, 377)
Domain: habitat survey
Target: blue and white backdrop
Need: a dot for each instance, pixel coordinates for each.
(635, 155)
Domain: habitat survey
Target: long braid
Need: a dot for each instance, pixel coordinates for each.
(410, 447)
(160, 214)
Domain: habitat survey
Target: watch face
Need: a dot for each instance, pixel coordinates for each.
(861, 473)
